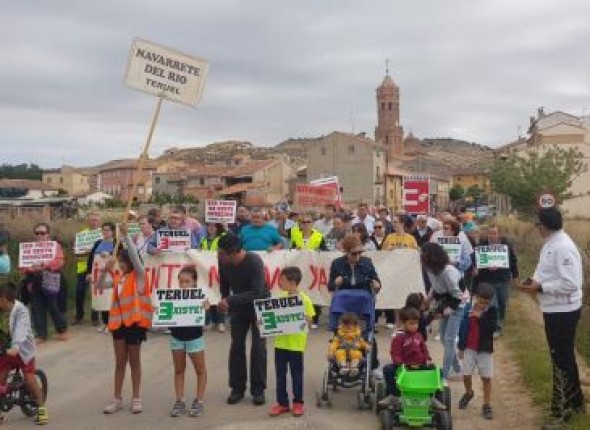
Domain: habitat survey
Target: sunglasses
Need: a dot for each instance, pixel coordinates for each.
(40, 233)
(378, 226)
(356, 253)
(305, 222)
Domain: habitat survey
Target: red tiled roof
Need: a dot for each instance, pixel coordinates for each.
(239, 188)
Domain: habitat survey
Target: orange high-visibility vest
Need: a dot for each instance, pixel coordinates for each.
(129, 307)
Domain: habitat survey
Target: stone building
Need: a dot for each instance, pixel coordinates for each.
(389, 131)
(67, 178)
(359, 163)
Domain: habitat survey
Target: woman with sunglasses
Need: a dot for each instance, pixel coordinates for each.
(352, 270)
(305, 236)
(43, 282)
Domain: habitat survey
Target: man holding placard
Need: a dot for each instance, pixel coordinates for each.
(173, 238)
(241, 281)
(496, 265)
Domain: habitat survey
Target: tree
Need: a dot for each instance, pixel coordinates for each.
(456, 193)
(474, 192)
(523, 177)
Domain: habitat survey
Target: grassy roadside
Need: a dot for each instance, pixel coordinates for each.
(524, 334)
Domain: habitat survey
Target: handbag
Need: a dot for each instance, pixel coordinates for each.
(50, 283)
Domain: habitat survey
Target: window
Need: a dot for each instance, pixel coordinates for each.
(382, 106)
(351, 149)
(49, 180)
(389, 105)
(323, 150)
(61, 180)
(202, 181)
(157, 180)
(378, 171)
(387, 138)
(391, 194)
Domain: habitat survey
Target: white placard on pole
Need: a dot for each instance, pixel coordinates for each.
(166, 72)
(222, 211)
(31, 253)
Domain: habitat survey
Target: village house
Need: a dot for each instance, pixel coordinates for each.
(116, 179)
(70, 179)
(566, 131)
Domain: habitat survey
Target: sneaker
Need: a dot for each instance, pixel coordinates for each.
(197, 408)
(100, 328)
(114, 406)
(178, 409)
(437, 337)
(167, 331)
(277, 410)
(486, 411)
(77, 321)
(63, 337)
(258, 399)
(94, 323)
(344, 370)
(437, 404)
(234, 397)
(465, 400)
(497, 334)
(40, 341)
(390, 326)
(354, 371)
(207, 327)
(314, 326)
(221, 328)
(297, 409)
(455, 376)
(136, 406)
(42, 416)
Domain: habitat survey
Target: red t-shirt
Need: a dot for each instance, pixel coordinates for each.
(409, 349)
(472, 341)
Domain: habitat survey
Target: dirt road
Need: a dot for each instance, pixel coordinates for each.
(81, 371)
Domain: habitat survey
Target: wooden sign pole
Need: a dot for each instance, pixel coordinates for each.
(140, 163)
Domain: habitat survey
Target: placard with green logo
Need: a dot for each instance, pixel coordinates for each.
(492, 256)
(178, 307)
(280, 315)
(452, 246)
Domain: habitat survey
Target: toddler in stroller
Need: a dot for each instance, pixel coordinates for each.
(347, 345)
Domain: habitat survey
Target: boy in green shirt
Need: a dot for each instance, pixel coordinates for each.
(289, 349)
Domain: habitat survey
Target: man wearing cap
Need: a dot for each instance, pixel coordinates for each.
(557, 284)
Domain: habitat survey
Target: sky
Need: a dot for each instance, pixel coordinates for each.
(467, 69)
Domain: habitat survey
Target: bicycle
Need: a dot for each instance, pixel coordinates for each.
(18, 394)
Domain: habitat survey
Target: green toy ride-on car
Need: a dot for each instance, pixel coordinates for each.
(415, 406)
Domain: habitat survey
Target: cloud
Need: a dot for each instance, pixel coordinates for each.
(280, 69)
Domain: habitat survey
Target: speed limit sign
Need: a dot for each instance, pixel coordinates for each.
(546, 201)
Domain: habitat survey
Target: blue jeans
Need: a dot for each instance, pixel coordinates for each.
(293, 359)
(389, 371)
(500, 300)
(449, 329)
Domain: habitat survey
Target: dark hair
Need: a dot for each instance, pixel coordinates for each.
(362, 229)
(363, 205)
(109, 225)
(9, 290)
(485, 291)
(415, 300)
(154, 212)
(349, 318)
(455, 225)
(123, 255)
(551, 219)
(350, 242)
(339, 216)
(331, 206)
(189, 270)
(42, 224)
(292, 273)
(434, 258)
(219, 228)
(229, 243)
(180, 209)
(409, 314)
(406, 221)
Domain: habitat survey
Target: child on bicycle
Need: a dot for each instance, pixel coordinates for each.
(290, 348)
(21, 352)
(407, 349)
(188, 341)
(476, 345)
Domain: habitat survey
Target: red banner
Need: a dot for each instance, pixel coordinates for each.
(315, 196)
(416, 194)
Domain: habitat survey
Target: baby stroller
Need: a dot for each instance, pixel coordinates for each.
(361, 303)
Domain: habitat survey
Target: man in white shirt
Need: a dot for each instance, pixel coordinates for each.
(364, 217)
(325, 224)
(557, 283)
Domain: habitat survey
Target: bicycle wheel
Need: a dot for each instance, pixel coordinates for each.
(28, 405)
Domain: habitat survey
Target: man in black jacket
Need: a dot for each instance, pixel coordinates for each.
(499, 278)
(241, 281)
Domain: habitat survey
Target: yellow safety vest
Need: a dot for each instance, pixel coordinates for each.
(82, 261)
(298, 242)
(210, 246)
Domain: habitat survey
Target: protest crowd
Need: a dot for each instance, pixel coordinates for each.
(467, 273)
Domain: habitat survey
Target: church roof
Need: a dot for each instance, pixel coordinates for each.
(387, 82)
